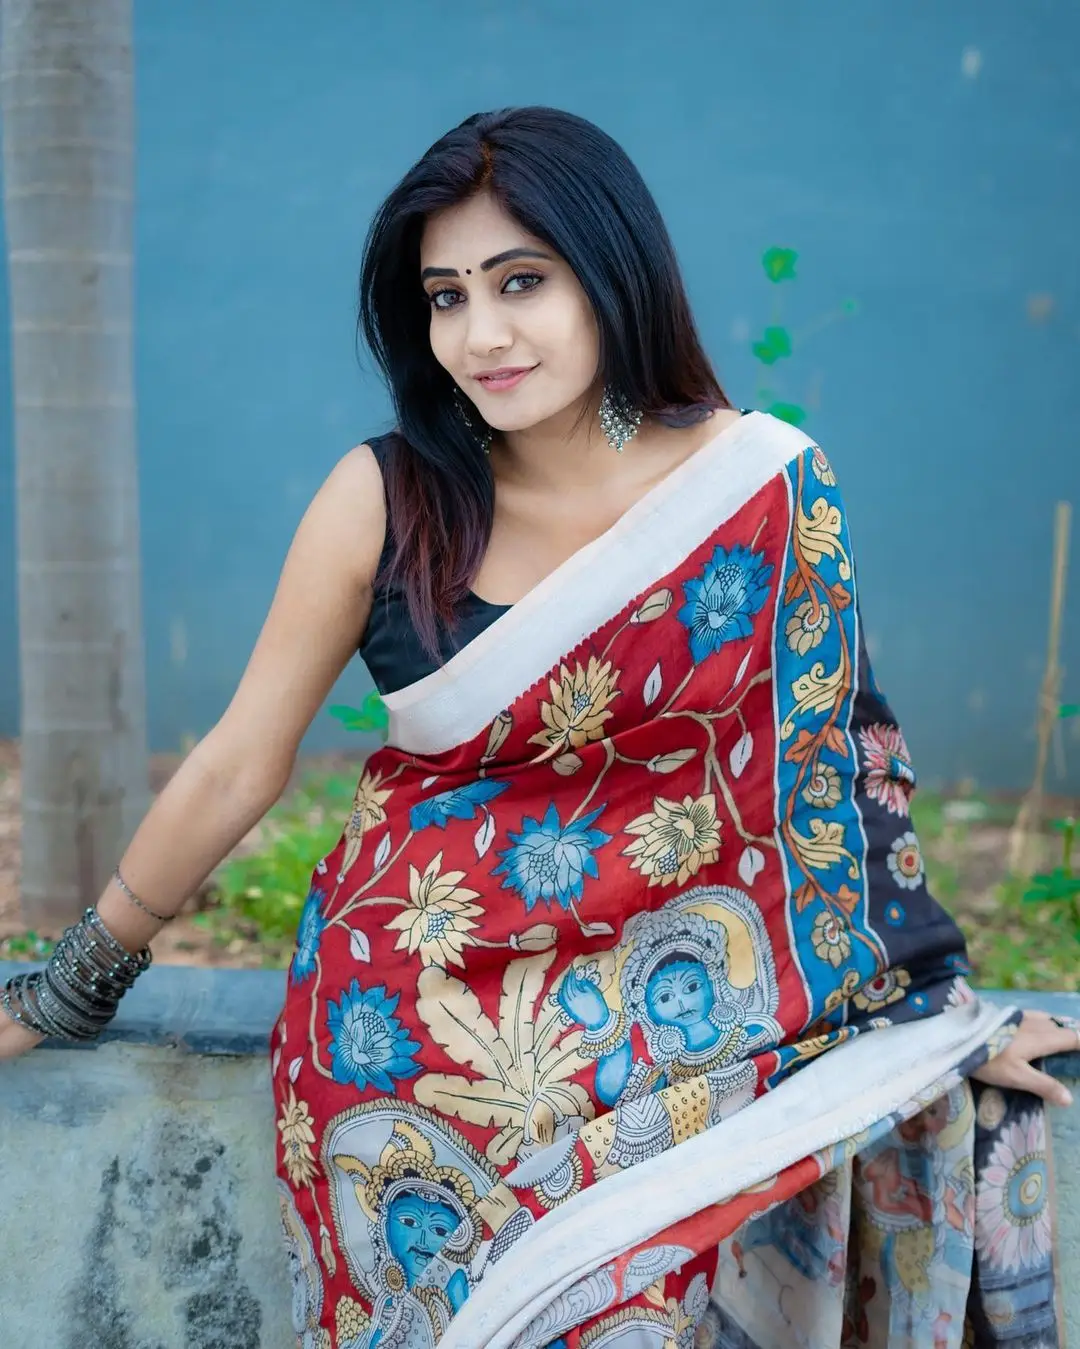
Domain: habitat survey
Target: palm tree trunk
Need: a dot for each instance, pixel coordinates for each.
(68, 134)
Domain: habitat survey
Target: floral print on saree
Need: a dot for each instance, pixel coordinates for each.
(622, 989)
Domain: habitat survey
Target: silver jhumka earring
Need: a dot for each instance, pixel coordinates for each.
(618, 420)
(484, 436)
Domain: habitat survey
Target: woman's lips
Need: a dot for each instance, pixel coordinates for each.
(503, 379)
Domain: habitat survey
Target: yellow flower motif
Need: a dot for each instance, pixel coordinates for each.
(807, 626)
(297, 1137)
(823, 788)
(439, 918)
(675, 840)
(367, 812)
(579, 706)
(889, 986)
(830, 939)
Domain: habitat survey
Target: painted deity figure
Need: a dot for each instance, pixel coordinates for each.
(419, 1215)
(672, 982)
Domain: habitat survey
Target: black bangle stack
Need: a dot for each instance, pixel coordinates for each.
(77, 993)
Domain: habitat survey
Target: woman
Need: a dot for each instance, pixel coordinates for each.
(620, 1013)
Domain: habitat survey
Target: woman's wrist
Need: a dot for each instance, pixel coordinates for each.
(132, 927)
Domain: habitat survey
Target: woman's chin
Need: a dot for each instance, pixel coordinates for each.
(508, 420)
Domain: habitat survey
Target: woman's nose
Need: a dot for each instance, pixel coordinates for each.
(488, 329)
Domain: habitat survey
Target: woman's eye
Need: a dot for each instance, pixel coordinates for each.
(442, 299)
(527, 280)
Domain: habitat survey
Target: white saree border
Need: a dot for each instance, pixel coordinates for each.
(834, 1098)
(455, 703)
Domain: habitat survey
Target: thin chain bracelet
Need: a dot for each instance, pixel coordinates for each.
(157, 917)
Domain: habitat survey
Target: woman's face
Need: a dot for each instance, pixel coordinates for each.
(509, 320)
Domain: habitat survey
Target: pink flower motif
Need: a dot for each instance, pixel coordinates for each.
(1012, 1226)
(890, 778)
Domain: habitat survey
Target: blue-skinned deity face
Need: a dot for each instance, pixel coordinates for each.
(679, 993)
(416, 1228)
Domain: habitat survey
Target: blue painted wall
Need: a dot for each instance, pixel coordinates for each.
(922, 159)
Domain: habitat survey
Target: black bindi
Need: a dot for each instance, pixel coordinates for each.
(468, 271)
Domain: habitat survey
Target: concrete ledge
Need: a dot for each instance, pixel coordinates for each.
(138, 1190)
(224, 1011)
(201, 1011)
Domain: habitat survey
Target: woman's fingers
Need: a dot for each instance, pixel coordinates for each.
(1011, 1072)
(15, 1039)
(1047, 1035)
(1037, 1037)
(1027, 1078)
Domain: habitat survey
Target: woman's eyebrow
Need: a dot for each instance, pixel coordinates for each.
(508, 256)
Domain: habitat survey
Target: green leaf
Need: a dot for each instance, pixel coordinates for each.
(779, 263)
(1055, 885)
(1067, 710)
(788, 412)
(371, 715)
(775, 343)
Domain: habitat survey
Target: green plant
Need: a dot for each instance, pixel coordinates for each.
(26, 946)
(1060, 887)
(371, 715)
(1022, 948)
(1013, 943)
(777, 342)
(259, 895)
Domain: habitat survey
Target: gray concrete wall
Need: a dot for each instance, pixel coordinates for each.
(137, 1205)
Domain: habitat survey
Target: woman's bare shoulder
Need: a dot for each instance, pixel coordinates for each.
(351, 508)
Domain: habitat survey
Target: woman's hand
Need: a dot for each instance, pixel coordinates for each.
(1038, 1037)
(15, 1039)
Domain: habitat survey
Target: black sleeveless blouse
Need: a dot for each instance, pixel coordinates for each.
(391, 648)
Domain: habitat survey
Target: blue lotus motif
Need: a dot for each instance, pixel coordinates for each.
(721, 603)
(459, 803)
(549, 861)
(308, 936)
(370, 1046)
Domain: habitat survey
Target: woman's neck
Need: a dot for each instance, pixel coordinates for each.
(570, 451)
(567, 450)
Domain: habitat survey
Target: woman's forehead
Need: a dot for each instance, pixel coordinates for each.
(466, 234)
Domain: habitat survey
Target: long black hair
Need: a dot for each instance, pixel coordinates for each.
(570, 185)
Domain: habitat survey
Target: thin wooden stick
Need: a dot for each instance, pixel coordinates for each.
(1029, 816)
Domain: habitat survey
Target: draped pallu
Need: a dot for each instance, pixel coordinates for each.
(621, 1014)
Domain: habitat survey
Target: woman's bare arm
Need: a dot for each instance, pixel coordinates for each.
(239, 769)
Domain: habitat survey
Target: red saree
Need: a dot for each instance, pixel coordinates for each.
(621, 1004)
